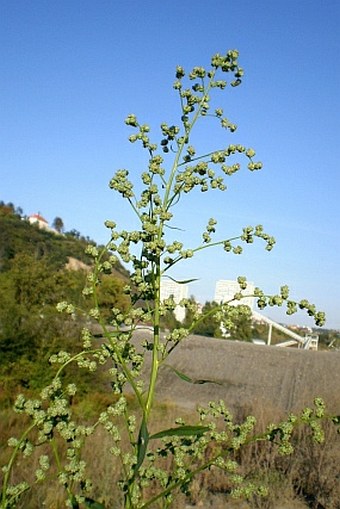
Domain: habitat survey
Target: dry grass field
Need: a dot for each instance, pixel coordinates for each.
(267, 382)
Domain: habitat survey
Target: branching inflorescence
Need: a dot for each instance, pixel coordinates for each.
(175, 168)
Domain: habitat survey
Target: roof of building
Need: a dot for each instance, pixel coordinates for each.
(38, 217)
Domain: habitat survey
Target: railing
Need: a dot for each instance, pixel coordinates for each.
(309, 342)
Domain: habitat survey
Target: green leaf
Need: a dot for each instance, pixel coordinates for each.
(92, 504)
(202, 381)
(182, 376)
(74, 502)
(187, 378)
(181, 431)
(142, 444)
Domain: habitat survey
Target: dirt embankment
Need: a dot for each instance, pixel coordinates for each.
(248, 376)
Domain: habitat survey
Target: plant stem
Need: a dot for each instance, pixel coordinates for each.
(10, 464)
(156, 341)
(200, 248)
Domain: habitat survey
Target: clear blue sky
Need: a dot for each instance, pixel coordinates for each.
(72, 70)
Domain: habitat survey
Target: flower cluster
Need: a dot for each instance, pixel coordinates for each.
(169, 459)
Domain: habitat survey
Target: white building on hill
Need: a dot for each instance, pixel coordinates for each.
(39, 221)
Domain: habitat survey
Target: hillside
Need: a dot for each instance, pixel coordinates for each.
(38, 269)
(17, 236)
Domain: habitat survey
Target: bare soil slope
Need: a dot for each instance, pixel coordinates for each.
(248, 376)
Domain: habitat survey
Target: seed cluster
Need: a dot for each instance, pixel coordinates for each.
(169, 459)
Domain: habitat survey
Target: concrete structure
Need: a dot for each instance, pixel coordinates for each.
(226, 289)
(178, 292)
(308, 342)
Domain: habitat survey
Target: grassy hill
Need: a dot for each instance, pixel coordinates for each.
(39, 269)
(17, 235)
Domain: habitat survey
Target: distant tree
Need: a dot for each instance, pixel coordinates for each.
(261, 331)
(236, 322)
(169, 321)
(74, 233)
(58, 224)
(329, 338)
(209, 325)
(31, 328)
(111, 295)
(6, 209)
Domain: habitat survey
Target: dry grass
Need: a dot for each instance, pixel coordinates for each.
(266, 383)
(310, 476)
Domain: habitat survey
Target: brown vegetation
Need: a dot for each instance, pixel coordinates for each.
(265, 381)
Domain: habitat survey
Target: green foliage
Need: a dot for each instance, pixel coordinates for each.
(58, 224)
(330, 338)
(241, 323)
(209, 325)
(111, 295)
(166, 459)
(17, 236)
(31, 329)
(33, 279)
(169, 321)
(235, 324)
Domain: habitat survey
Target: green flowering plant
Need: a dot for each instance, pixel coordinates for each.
(175, 168)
